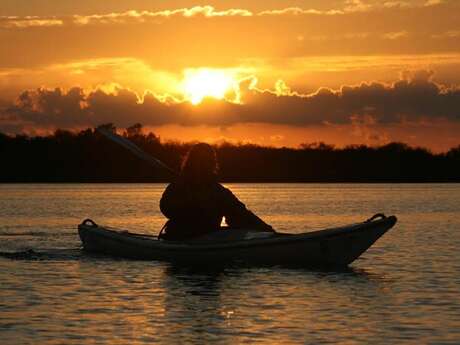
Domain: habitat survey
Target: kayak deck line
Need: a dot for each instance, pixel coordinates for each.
(124, 235)
(333, 246)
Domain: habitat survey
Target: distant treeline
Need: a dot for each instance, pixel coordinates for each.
(87, 156)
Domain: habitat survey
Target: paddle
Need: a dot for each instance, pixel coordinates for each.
(143, 155)
(135, 150)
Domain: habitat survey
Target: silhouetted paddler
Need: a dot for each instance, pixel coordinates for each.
(195, 203)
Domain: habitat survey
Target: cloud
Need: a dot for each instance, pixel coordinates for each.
(120, 17)
(142, 16)
(205, 36)
(350, 6)
(29, 21)
(297, 11)
(413, 98)
(447, 34)
(207, 11)
(433, 2)
(400, 4)
(395, 35)
(357, 6)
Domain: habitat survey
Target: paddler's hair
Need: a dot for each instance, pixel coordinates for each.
(200, 164)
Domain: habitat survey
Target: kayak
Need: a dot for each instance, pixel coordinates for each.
(329, 247)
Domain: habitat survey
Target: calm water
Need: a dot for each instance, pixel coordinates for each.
(404, 290)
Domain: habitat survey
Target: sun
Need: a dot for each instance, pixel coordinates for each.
(206, 82)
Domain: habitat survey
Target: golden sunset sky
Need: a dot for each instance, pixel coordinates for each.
(270, 72)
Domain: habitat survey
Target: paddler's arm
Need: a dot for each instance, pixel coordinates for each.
(238, 216)
(172, 202)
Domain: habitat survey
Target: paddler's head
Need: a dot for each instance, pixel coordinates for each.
(200, 164)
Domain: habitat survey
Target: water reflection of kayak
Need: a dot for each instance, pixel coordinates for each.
(330, 247)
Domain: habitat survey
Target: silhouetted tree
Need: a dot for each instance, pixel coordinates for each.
(454, 153)
(108, 126)
(87, 156)
(134, 131)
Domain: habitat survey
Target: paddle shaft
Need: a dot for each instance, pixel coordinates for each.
(136, 150)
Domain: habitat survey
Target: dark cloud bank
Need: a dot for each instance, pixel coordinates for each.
(413, 98)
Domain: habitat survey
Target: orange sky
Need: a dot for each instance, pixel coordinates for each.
(269, 72)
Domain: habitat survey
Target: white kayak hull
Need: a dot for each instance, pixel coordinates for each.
(330, 247)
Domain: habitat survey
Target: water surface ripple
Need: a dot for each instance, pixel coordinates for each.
(404, 290)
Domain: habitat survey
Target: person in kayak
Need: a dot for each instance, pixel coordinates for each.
(196, 202)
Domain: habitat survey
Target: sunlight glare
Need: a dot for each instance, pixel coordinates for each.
(201, 83)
